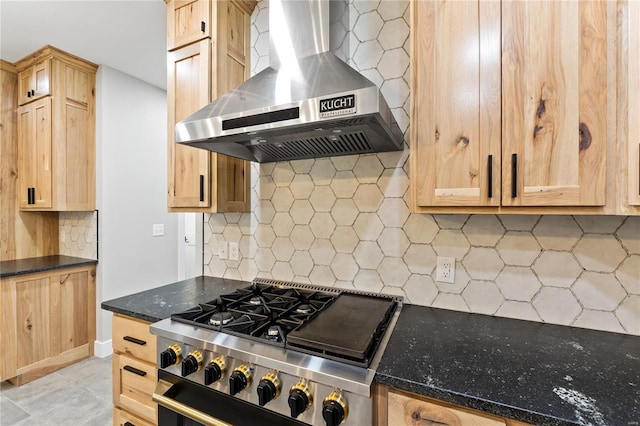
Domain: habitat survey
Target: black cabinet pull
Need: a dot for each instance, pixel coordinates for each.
(201, 187)
(134, 340)
(514, 175)
(128, 424)
(31, 195)
(202, 26)
(28, 93)
(490, 176)
(28, 195)
(33, 93)
(135, 370)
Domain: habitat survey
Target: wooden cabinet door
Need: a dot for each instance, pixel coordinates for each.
(187, 21)
(34, 154)
(554, 103)
(456, 100)
(70, 311)
(633, 99)
(187, 91)
(33, 82)
(33, 319)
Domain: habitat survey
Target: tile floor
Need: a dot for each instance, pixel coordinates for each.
(79, 394)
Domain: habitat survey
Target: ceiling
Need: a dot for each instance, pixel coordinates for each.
(128, 35)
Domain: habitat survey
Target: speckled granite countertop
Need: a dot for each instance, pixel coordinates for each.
(10, 268)
(528, 371)
(159, 303)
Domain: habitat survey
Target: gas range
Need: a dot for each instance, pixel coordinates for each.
(288, 353)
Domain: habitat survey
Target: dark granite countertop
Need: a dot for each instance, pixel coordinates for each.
(159, 303)
(533, 372)
(10, 268)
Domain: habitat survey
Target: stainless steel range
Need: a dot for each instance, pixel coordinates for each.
(273, 353)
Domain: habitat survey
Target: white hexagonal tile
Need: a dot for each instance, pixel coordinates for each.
(482, 263)
(344, 267)
(629, 274)
(393, 242)
(264, 260)
(232, 233)
(518, 248)
(344, 239)
(344, 212)
(301, 237)
(217, 223)
(393, 35)
(395, 159)
(421, 228)
(393, 182)
(232, 274)
(402, 118)
(557, 232)
(264, 236)
(322, 275)
(282, 249)
(322, 252)
(368, 254)
(420, 290)
(599, 252)
(629, 234)
(394, 291)
(395, 92)
(322, 171)
(368, 198)
(301, 279)
(232, 217)
(483, 230)
(302, 166)
(598, 320)
(322, 199)
(264, 211)
(364, 6)
(322, 225)
(602, 292)
(599, 224)
(216, 268)
(368, 55)
(450, 243)
(393, 63)
(393, 271)
(518, 222)
(368, 169)
(248, 224)
(557, 269)
(282, 224)
(392, 9)
(261, 64)
(374, 76)
(282, 271)
(393, 212)
(482, 297)
(451, 221)
(368, 280)
(518, 283)
(262, 20)
(518, 310)
(453, 302)
(262, 44)
(282, 199)
(248, 269)
(266, 187)
(344, 184)
(556, 305)
(248, 246)
(344, 162)
(346, 285)
(628, 313)
(301, 212)
(368, 26)
(420, 259)
(301, 187)
(301, 263)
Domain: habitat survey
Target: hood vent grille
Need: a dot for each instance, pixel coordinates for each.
(353, 143)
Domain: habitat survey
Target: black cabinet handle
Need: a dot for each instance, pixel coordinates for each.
(134, 340)
(135, 370)
(28, 93)
(128, 424)
(202, 26)
(490, 176)
(201, 187)
(514, 175)
(33, 93)
(31, 195)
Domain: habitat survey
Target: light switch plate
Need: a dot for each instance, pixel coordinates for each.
(223, 252)
(158, 229)
(446, 269)
(233, 251)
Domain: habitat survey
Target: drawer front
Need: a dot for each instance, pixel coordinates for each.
(124, 418)
(133, 384)
(132, 337)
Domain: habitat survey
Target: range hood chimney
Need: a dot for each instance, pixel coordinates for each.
(307, 104)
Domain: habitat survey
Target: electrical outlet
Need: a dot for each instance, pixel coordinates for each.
(158, 229)
(233, 251)
(446, 269)
(222, 250)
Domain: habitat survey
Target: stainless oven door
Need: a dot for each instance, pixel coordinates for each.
(183, 403)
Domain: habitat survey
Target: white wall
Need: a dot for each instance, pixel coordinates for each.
(131, 134)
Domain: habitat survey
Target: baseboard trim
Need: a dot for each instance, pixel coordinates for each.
(102, 349)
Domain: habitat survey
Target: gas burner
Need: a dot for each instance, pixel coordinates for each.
(255, 300)
(221, 318)
(303, 309)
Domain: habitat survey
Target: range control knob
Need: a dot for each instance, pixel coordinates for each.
(191, 363)
(239, 379)
(214, 371)
(170, 356)
(299, 399)
(268, 388)
(334, 409)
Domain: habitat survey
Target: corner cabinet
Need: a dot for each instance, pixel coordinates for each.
(48, 321)
(56, 132)
(510, 106)
(209, 54)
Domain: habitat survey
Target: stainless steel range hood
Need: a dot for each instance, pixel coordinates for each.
(307, 104)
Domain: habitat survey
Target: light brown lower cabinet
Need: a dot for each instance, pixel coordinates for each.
(134, 372)
(396, 408)
(48, 321)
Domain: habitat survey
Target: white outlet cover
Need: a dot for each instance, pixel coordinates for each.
(222, 250)
(233, 251)
(446, 269)
(158, 229)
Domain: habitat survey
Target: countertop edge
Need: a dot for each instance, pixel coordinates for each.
(63, 263)
(129, 313)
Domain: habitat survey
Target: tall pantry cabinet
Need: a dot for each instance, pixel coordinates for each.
(209, 54)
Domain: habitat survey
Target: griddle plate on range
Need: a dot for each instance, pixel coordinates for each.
(347, 328)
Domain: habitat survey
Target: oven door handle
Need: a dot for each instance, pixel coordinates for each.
(159, 397)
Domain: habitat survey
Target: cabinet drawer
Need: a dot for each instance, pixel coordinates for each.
(132, 337)
(133, 384)
(124, 418)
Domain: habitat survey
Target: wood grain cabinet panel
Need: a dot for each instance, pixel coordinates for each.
(188, 21)
(632, 37)
(33, 82)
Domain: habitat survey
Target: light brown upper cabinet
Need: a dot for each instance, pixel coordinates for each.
(56, 133)
(510, 108)
(632, 37)
(33, 82)
(214, 63)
